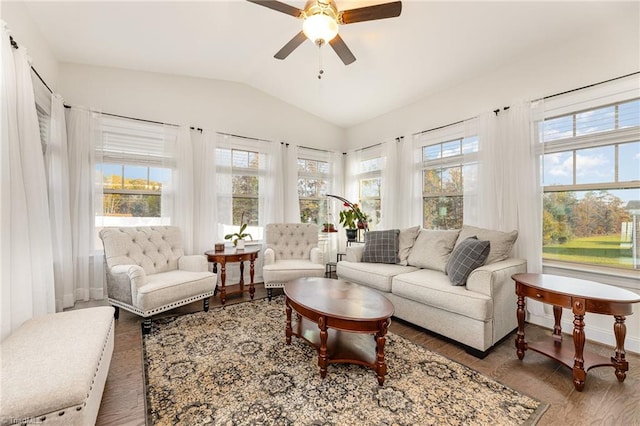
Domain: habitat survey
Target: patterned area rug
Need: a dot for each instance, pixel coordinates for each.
(231, 366)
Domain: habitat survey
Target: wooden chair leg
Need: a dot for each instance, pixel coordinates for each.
(205, 304)
(269, 294)
(116, 313)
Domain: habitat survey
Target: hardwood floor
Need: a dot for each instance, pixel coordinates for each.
(604, 401)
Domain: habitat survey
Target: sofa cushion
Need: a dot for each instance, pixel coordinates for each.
(406, 239)
(166, 288)
(291, 269)
(433, 248)
(381, 246)
(465, 257)
(374, 275)
(501, 242)
(433, 288)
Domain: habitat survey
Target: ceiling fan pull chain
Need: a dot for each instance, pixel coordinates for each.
(320, 70)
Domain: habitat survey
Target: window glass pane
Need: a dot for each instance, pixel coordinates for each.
(629, 162)
(371, 165)
(323, 167)
(592, 227)
(111, 175)
(131, 205)
(443, 212)
(248, 206)
(311, 211)
(432, 182)
(431, 152)
(558, 168)
(302, 165)
(595, 165)
(452, 179)
(135, 177)
(597, 120)
(245, 185)
(557, 128)
(158, 176)
(223, 157)
(240, 159)
(629, 114)
(470, 145)
(449, 149)
(372, 209)
(370, 188)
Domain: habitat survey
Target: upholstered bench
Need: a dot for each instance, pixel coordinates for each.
(54, 368)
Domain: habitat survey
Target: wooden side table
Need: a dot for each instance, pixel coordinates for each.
(581, 296)
(231, 255)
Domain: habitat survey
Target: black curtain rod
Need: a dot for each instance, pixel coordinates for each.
(590, 85)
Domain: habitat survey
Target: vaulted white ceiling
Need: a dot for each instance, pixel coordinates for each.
(431, 46)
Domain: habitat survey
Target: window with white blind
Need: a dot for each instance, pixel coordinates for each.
(314, 180)
(447, 156)
(591, 178)
(244, 167)
(369, 185)
(132, 167)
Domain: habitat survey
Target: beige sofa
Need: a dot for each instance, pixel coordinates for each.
(477, 315)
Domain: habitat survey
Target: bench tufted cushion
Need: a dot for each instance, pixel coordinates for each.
(291, 240)
(155, 248)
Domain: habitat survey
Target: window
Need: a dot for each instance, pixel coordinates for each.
(132, 172)
(444, 164)
(313, 185)
(245, 187)
(591, 179)
(369, 183)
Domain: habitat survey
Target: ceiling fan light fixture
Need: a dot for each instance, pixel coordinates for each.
(320, 28)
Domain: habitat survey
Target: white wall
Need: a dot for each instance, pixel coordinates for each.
(212, 104)
(596, 55)
(26, 34)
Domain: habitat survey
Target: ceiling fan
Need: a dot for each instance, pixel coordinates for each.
(321, 19)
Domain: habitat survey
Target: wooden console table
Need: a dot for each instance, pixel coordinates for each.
(580, 296)
(230, 255)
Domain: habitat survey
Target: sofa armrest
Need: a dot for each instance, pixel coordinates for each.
(317, 256)
(193, 263)
(488, 279)
(354, 253)
(269, 256)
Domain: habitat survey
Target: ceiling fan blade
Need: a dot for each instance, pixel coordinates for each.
(278, 6)
(371, 13)
(291, 46)
(340, 47)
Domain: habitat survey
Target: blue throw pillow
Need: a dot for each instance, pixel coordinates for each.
(381, 246)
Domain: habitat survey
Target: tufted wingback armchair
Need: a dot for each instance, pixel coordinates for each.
(292, 252)
(148, 272)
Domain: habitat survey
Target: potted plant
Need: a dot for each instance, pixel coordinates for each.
(352, 219)
(328, 227)
(238, 237)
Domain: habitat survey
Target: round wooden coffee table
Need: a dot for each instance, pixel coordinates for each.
(338, 318)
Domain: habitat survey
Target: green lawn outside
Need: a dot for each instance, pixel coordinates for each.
(606, 250)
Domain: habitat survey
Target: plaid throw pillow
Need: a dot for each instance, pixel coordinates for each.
(381, 246)
(467, 256)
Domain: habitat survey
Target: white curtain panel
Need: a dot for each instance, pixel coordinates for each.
(271, 199)
(409, 181)
(389, 194)
(224, 185)
(57, 164)
(206, 232)
(26, 259)
(179, 194)
(84, 141)
(291, 201)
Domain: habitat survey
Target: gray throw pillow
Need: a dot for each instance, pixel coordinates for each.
(466, 256)
(381, 246)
